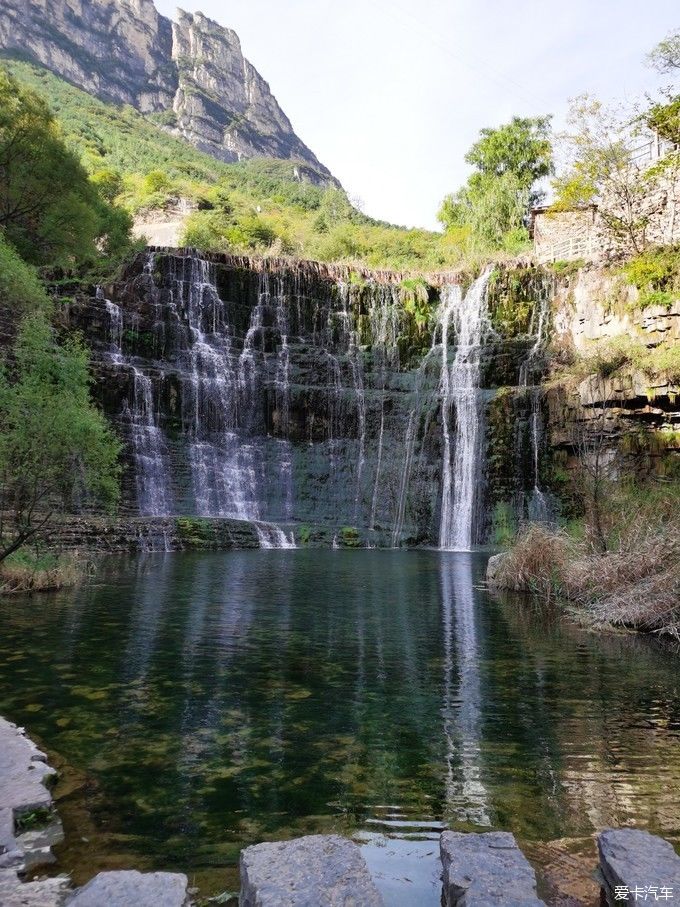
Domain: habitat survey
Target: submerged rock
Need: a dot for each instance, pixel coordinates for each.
(634, 860)
(486, 869)
(314, 871)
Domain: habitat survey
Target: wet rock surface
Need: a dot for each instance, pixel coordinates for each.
(24, 774)
(481, 870)
(637, 861)
(314, 871)
(125, 888)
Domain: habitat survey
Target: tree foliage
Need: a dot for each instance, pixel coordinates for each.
(56, 450)
(665, 57)
(492, 207)
(521, 147)
(49, 209)
(20, 287)
(599, 169)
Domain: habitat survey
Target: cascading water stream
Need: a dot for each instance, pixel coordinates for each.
(460, 392)
(539, 507)
(154, 497)
(284, 398)
(152, 469)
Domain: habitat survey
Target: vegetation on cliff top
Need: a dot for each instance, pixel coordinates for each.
(490, 212)
(261, 206)
(255, 206)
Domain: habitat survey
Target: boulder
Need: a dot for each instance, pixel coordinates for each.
(632, 859)
(123, 889)
(492, 568)
(314, 871)
(481, 870)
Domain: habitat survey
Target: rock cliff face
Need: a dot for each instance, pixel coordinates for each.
(191, 75)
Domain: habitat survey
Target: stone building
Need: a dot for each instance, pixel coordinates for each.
(581, 233)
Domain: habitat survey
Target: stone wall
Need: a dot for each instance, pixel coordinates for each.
(636, 416)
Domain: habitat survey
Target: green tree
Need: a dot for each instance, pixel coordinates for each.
(56, 449)
(509, 162)
(521, 147)
(50, 211)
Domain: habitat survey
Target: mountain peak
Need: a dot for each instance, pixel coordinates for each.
(191, 71)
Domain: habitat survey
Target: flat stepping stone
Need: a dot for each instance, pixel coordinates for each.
(46, 893)
(314, 871)
(642, 864)
(482, 870)
(129, 887)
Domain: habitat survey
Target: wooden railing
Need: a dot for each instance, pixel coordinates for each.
(651, 151)
(569, 250)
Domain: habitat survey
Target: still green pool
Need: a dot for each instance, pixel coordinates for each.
(201, 702)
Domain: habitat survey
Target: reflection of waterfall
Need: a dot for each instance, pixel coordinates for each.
(460, 391)
(466, 795)
(539, 507)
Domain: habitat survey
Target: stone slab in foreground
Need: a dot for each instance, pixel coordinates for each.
(129, 887)
(23, 772)
(633, 859)
(314, 871)
(484, 870)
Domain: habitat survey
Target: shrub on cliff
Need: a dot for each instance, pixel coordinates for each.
(56, 449)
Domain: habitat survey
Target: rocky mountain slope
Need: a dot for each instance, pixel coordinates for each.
(189, 76)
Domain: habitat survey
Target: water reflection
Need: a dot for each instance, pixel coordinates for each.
(221, 699)
(466, 796)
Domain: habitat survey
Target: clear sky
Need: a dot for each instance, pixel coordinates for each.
(390, 95)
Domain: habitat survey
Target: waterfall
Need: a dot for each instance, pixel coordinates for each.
(409, 443)
(274, 392)
(459, 390)
(272, 536)
(115, 329)
(154, 497)
(539, 506)
(148, 444)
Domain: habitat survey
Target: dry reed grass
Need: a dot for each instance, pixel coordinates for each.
(19, 576)
(635, 586)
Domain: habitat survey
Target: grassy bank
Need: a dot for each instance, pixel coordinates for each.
(633, 584)
(28, 572)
